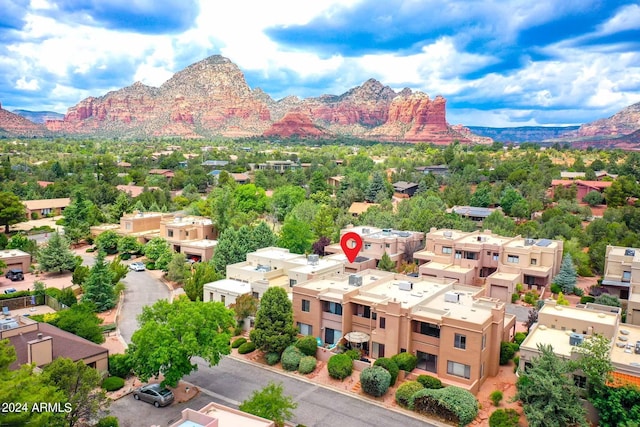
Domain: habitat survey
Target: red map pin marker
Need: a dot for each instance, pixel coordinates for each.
(351, 244)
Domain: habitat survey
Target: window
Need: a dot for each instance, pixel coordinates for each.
(306, 305)
(383, 322)
(127, 226)
(305, 329)
(374, 316)
(363, 311)
(488, 253)
(387, 245)
(170, 233)
(471, 255)
(367, 246)
(580, 381)
(496, 256)
(484, 341)
(255, 295)
(458, 369)
(458, 254)
(292, 282)
(534, 261)
(626, 276)
(514, 259)
(332, 307)
(332, 336)
(210, 296)
(222, 298)
(424, 328)
(447, 250)
(460, 341)
(482, 370)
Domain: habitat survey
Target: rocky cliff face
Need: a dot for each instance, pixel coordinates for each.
(211, 98)
(14, 125)
(624, 122)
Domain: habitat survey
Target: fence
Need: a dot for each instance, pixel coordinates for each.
(31, 301)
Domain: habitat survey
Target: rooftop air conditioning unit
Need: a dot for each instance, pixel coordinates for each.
(313, 259)
(576, 339)
(447, 234)
(386, 230)
(355, 280)
(529, 242)
(451, 297)
(365, 231)
(405, 286)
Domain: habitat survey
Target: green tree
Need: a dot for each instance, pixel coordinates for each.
(203, 272)
(122, 205)
(510, 197)
(285, 198)
(81, 386)
(262, 236)
(377, 186)
(482, 196)
(323, 225)
(548, 395)
(318, 182)
(80, 320)
(108, 242)
(98, 288)
(56, 256)
(274, 330)
(176, 269)
(500, 224)
(129, 245)
(610, 300)
(614, 195)
(270, 403)
(595, 363)
(188, 329)
(385, 263)
(593, 198)
(246, 305)
(567, 278)
(250, 198)
(232, 248)
(296, 236)
(12, 211)
(24, 243)
(618, 406)
(158, 251)
(24, 386)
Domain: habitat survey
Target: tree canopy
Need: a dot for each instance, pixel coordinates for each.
(274, 330)
(270, 403)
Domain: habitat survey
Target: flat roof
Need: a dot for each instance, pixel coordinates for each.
(446, 267)
(467, 307)
(448, 233)
(305, 267)
(557, 338)
(541, 243)
(579, 314)
(274, 253)
(11, 253)
(229, 285)
(624, 342)
(188, 220)
(204, 243)
(487, 238)
(392, 290)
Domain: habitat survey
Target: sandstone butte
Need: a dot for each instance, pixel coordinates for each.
(13, 125)
(211, 98)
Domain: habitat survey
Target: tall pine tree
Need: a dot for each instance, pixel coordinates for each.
(567, 277)
(98, 288)
(56, 256)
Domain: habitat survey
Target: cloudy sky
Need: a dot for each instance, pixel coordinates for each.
(498, 62)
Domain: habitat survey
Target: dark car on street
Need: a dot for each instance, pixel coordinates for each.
(155, 394)
(14, 274)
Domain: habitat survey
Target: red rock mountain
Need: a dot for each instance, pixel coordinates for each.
(14, 125)
(211, 97)
(624, 122)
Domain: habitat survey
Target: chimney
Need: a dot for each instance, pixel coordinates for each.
(40, 350)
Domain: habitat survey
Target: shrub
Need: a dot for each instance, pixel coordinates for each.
(307, 345)
(390, 366)
(428, 381)
(519, 287)
(375, 380)
(507, 351)
(120, 365)
(112, 383)
(578, 291)
(516, 360)
(519, 337)
(555, 288)
(89, 250)
(291, 358)
(272, 358)
(307, 365)
(125, 256)
(353, 354)
(452, 404)
(109, 421)
(515, 298)
(151, 266)
(531, 297)
(504, 418)
(406, 390)
(247, 347)
(406, 361)
(496, 397)
(586, 299)
(238, 342)
(340, 366)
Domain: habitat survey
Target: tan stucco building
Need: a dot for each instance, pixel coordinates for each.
(35, 209)
(15, 258)
(622, 278)
(496, 262)
(451, 328)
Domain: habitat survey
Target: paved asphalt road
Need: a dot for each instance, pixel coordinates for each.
(233, 381)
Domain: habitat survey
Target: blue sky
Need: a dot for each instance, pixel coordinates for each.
(498, 62)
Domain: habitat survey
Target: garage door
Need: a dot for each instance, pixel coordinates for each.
(501, 292)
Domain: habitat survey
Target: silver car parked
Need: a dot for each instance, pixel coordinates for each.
(154, 393)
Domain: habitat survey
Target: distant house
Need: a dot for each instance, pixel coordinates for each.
(277, 165)
(44, 207)
(406, 188)
(239, 178)
(582, 187)
(600, 175)
(358, 208)
(215, 163)
(134, 190)
(164, 172)
(44, 184)
(335, 181)
(15, 258)
(474, 213)
(41, 343)
(441, 170)
(123, 164)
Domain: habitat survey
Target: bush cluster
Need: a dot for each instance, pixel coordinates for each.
(375, 380)
(272, 358)
(519, 337)
(238, 342)
(428, 381)
(390, 366)
(353, 354)
(496, 397)
(108, 421)
(120, 365)
(308, 345)
(406, 361)
(452, 404)
(307, 365)
(587, 298)
(291, 358)
(340, 366)
(406, 390)
(112, 383)
(504, 418)
(507, 351)
(247, 347)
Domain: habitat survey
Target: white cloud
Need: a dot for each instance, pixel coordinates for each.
(627, 18)
(25, 84)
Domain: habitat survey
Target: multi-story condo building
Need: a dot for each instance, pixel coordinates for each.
(454, 332)
(266, 268)
(564, 328)
(487, 259)
(622, 278)
(375, 242)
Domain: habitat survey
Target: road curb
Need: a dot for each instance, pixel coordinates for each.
(345, 393)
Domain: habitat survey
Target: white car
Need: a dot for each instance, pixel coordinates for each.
(137, 266)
